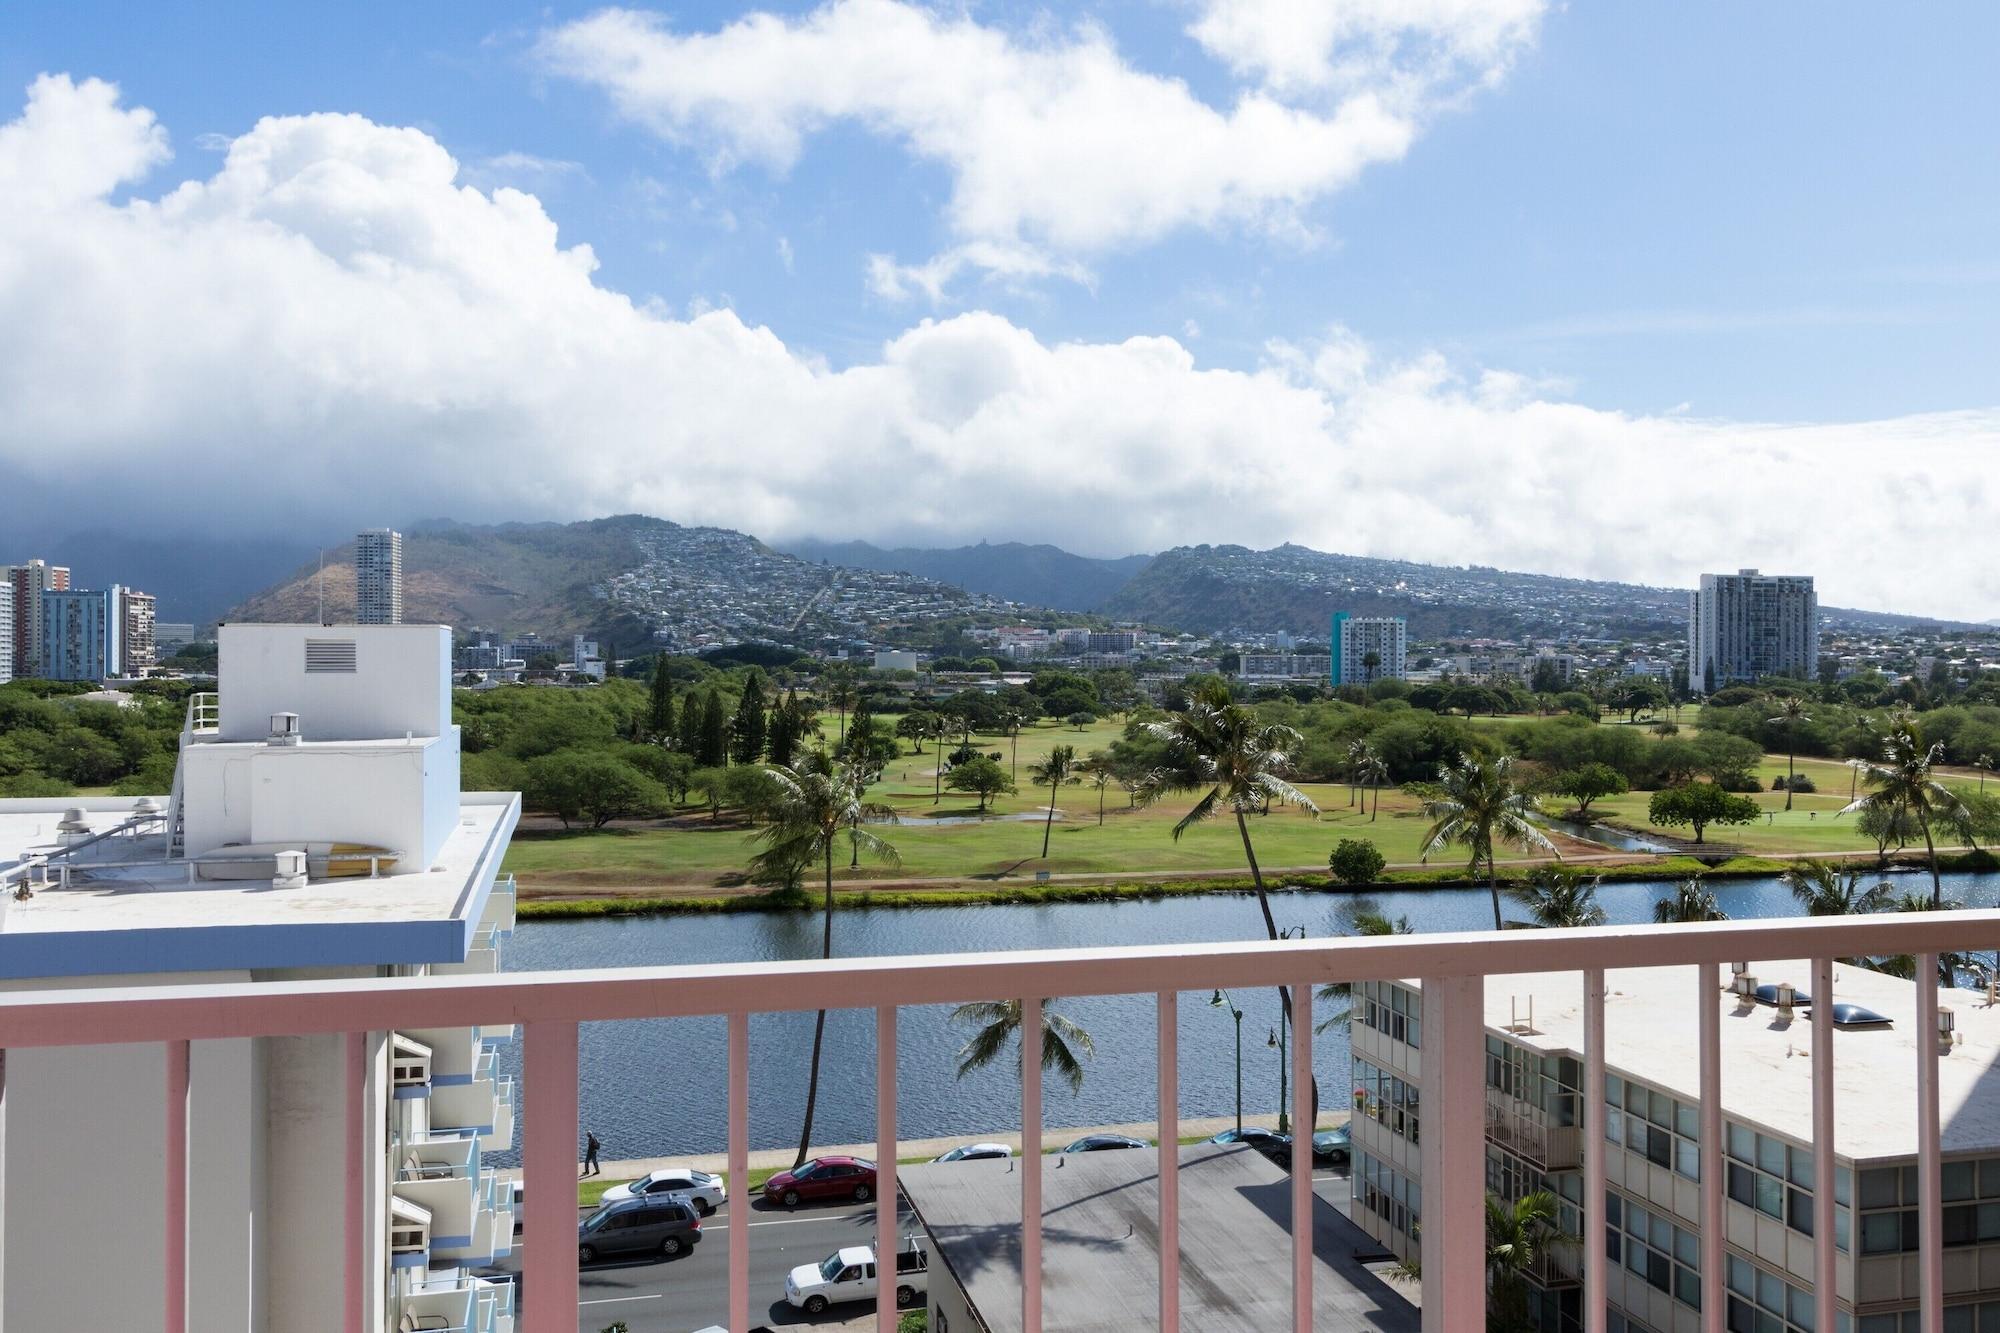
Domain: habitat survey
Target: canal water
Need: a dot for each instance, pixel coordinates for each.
(657, 1088)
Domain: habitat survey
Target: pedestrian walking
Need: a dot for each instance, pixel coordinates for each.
(590, 1147)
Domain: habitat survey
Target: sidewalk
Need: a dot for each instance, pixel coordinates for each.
(781, 1158)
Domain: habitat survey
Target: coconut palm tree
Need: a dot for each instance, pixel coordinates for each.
(1518, 1235)
(1692, 901)
(817, 803)
(1984, 763)
(837, 687)
(1098, 768)
(1476, 803)
(1791, 712)
(1065, 1045)
(1374, 770)
(1357, 750)
(1360, 916)
(1557, 896)
(1055, 772)
(1904, 781)
(1010, 722)
(1242, 762)
(1905, 965)
(1820, 888)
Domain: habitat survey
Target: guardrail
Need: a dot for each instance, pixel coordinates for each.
(1452, 969)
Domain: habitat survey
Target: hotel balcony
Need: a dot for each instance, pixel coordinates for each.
(1904, 1108)
(482, 956)
(458, 1305)
(1524, 1130)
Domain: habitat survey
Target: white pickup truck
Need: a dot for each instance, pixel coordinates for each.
(849, 1275)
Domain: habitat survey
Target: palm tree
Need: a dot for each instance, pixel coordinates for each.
(1242, 761)
(1692, 901)
(1905, 965)
(1357, 750)
(1791, 712)
(1057, 771)
(1011, 724)
(1518, 1235)
(1904, 781)
(1557, 896)
(1364, 918)
(817, 802)
(1065, 1045)
(1369, 663)
(837, 688)
(1098, 767)
(1476, 802)
(1375, 771)
(1984, 763)
(1819, 887)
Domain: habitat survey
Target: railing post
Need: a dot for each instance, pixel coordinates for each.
(1930, 1205)
(548, 1159)
(1592, 1098)
(1454, 1154)
(886, 1239)
(1170, 1161)
(739, 1170)
(355, 1280)
(177, 1187)
(1708, 1005)
(1303, 1125)
(1031, 1164)
(1825, 1264)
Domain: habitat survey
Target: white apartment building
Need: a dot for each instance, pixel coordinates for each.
(315, 831)
(1649, 1218)
(138, 615)
(29, 580)
(1747, 625)
(1358, 639)
(6, 630)
(378, 577)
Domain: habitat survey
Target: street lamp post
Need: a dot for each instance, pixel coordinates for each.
(1221, 1000)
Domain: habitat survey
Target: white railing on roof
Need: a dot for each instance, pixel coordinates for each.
(1452, 969)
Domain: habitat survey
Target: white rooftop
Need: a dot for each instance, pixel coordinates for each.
(129, 909)
(1651, 1033)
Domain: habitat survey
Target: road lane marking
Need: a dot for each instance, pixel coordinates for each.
(613, 1300)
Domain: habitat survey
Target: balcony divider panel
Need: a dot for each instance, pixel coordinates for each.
(548, 1159)
(1595, 1318)
(739, 1170)
(177, 1188)
(886, 1245)
(1303, 1125)
(1714, 1286)
(1930, 1206)
(1031, 1164)
(1825, 1260)
(1167, 1003)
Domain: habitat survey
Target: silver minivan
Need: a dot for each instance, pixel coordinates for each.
(665, 1227)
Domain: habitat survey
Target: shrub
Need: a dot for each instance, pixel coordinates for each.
(1356, 861)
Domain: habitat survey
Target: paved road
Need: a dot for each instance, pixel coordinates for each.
(692, 1292)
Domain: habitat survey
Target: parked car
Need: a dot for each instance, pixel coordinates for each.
(1276, 1146)
(666, 1227)
(1105, 1143)
(702, 1189)
(975, 1152)
(1332, 1147)
(823, 1178)
(849, 1275)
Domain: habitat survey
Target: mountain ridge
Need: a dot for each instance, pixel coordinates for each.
(1035, 574)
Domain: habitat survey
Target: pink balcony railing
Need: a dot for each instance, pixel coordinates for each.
(549, 1005)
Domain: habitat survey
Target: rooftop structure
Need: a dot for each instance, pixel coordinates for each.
(1101, 1253)
(315, 830)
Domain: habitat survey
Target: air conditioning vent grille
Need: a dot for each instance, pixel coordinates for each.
(330, 655)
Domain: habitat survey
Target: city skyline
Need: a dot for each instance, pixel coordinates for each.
(1368, 334)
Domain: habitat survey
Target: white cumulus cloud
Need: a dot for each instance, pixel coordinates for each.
(332, 327)
(1054, 141)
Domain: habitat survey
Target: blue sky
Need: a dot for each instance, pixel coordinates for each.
(1713, 220)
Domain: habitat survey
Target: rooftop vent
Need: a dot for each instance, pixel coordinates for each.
(330, 656)
(289, 871)
(285, 728)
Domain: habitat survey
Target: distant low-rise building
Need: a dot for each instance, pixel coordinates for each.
(895, 659)
(1278, 667)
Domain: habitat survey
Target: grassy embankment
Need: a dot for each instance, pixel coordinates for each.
(693, 864)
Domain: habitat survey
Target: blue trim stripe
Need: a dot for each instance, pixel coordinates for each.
(412, 1093)
(450, 1243)
(450, 1080)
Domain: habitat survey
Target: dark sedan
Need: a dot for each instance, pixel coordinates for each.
(1105, 1143)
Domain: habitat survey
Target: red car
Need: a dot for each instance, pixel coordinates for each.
(823, 1178)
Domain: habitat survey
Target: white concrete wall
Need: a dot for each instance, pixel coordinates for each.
(401, 797)
(86, 1189)
(401, 684)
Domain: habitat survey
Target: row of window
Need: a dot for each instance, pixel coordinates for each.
(1547, 1082)
(1652, 1247)
(1761, 1302)
(1395, 1011)
(1385, 1098)
(1983, 1317)
(1388, 1193)
(1887, 1186)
